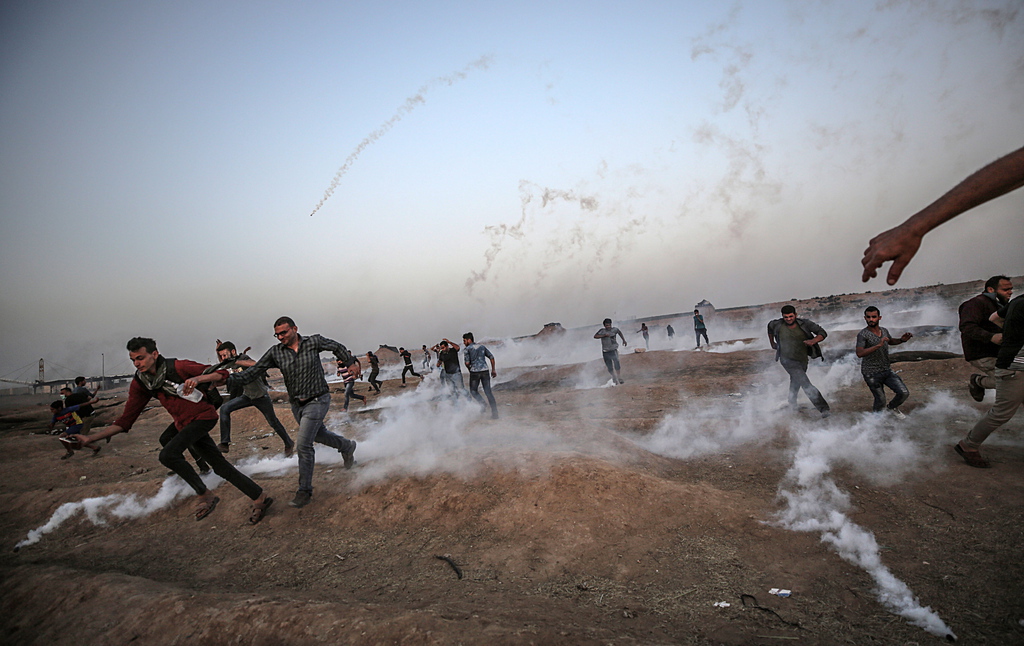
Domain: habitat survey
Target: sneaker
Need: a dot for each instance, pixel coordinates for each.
(976, 390)
(897, 413)
(347, 456)
(289, 450)
(301, 499)
(973, 458)
(224, 448)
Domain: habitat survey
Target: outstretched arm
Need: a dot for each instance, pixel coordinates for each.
(900, 243)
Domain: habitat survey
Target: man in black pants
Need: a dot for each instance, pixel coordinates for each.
(405, 354)
(173, 382)
(374, 371)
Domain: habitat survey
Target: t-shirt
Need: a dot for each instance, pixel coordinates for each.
(70, 418)
(477, 356)
(374, 362)
(450, 359)
(791, 344)
(407, 357)
(877, 361)
(607, 336)
(77, 399)
(698, 322)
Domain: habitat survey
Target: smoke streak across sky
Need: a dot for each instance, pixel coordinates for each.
(410, 104)
(647, 158)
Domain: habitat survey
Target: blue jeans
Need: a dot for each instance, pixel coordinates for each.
(798, 381)
(478, 379)
(311, 429)
(263, 405)
(454, 381)
(877, 382)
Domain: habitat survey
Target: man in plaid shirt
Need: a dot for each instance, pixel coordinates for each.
(298, 359)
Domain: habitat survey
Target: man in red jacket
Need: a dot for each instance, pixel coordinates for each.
(173, 382)
(981, 337)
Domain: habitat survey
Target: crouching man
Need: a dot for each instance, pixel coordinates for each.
(174, 383)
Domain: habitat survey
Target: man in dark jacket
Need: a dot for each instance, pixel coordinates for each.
(1009, 378)
(795, 340)
(981, 337)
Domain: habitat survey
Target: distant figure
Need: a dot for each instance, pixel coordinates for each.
(794, 340)
(298, 359)
(699, 328)
(69, 417)
(348, 375)
(1009, 376)
(900, 243)
(670, 330)
(82, 390)
(255, 393)
(610, 349)
(448, 361)
(426, 360)
(407, 368)
(873, 349)
(477, 356)
(374, 371)
(174, 383)
(980, 337)
(647, 335)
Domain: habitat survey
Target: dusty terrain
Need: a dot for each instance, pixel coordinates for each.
(569, 524)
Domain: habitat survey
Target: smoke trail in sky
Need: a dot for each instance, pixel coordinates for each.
(410, 104)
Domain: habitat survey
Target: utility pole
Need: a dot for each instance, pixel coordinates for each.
(103, 371)
(42, 375)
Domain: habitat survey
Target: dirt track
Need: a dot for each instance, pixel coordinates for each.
(584, 537)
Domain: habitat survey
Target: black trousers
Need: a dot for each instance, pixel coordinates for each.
(196, 435)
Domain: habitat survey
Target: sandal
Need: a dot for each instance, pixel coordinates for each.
(259, 511)
(206, 507)
(972, 458)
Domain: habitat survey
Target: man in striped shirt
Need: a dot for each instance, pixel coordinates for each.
(298, 359)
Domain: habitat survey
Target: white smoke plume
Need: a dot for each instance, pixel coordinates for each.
(877, 449)
(410, 104)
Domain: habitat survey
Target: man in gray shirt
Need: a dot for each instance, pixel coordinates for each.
(298, 359)
(794, 341)
(254, 393)
(477, 356)
(610, 349)
(873, 349)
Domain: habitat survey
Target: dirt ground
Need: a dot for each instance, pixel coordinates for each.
(608, 545)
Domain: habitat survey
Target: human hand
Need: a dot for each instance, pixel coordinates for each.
(898, 244)
(906, 336)
(189, 385)
(997, 338)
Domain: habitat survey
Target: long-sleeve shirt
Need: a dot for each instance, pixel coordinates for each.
(181, 410)
(976, 329)
(303, 373)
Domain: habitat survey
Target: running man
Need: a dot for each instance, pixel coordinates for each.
(794, 341)
(374, 371)
(448, 361)
(873, 349)
(699, 329)
(174, 384)
(348, 375)
(407, 368)
(477, 356)
(255, 393)
(298, 359)
(610, 349)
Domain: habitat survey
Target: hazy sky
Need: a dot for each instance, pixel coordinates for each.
(494, 167)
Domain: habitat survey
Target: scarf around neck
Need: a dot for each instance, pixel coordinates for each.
(158, 380)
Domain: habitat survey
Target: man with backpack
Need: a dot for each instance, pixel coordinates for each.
(173, 382)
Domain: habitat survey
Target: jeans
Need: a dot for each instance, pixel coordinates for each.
(483, 378)
(454, 381)
(350, 393)
(611, 361)
(408, 368)
(876, 383)
(798, 380)
(310, 418)
(698, 332)
(372, 379)
(1009, 397)
(263, 404)
(196, 435)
